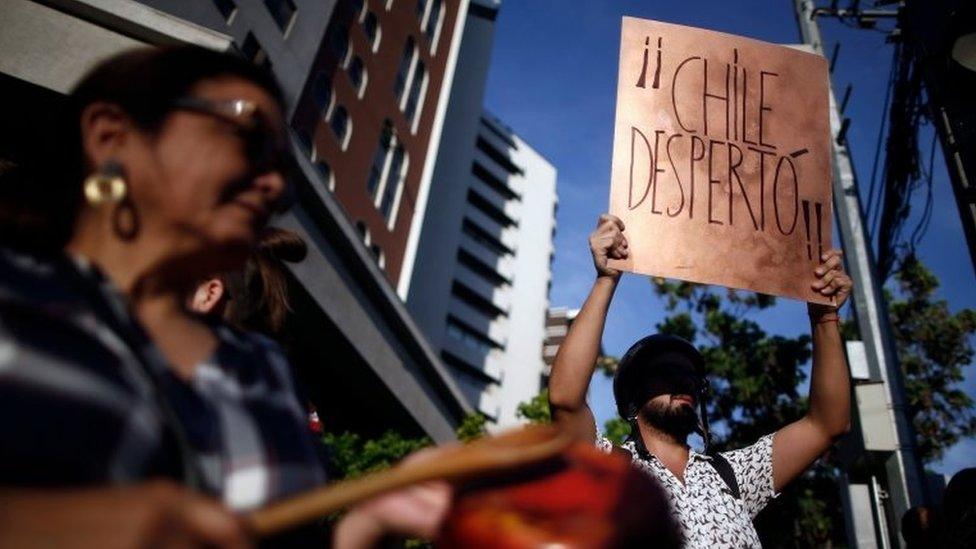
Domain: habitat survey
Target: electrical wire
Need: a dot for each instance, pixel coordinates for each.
(881, 137)
(923, 223)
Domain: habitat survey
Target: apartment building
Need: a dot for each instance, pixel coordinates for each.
(479, 287)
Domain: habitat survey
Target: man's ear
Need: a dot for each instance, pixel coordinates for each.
(104, 130)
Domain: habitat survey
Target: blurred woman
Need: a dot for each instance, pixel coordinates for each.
(166, 171)
(254, 298)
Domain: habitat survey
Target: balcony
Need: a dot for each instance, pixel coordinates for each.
(514, 182)
(498, 186)
(491, 229)
(500, 296)
(495, 329)
(472, 361)
(503, 264)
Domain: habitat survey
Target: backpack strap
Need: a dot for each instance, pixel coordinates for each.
(724, 470)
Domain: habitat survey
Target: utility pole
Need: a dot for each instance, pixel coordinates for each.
(901, 468)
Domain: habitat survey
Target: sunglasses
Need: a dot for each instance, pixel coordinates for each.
(263, 147)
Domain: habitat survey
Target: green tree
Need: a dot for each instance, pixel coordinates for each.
(616, 430)
(352, 456)
(607, 364)
(934, 347)
(472, 427)
(536, 409)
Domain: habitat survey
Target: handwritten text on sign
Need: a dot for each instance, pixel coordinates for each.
(721, 169)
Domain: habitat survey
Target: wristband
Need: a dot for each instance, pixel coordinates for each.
(830, 317)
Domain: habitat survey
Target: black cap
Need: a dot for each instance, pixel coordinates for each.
(648, 357)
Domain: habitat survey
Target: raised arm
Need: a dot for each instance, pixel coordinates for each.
(800, 443)
(578, 353)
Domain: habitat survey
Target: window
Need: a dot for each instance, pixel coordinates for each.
(378, 256)
(253, 51)
(322, 92)
(493, 182)
(340, 126)
(371, 27)
(339, 44)
(409, 52)
(394, 181)
(357, 75)
(476, 302)
(379, 160)
(283, 13)
(386, 175)
(432, 30)
(227, 8)
(483, 205)
(363, 231)
(485, 238)
(305, 139)
(325, 171)
(418, 87)
(357, 8)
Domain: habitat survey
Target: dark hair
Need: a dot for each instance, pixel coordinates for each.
(259, 295)
(143, 83)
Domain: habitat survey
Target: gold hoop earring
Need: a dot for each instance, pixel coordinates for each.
(106, 186)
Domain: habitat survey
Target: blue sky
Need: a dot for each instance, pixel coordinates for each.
(553, 80)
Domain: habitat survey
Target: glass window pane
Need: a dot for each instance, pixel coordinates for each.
(340, 123)
(401, 76)
(379, 159)
(416, 87)
(282, 11)
(370, 25)
(339, 43)
(434, 19)
(226, 8)
(322, 91)
(356, 72)
(393, 181)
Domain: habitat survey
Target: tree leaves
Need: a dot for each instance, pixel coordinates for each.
(934, 346)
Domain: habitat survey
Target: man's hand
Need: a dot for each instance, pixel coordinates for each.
(831, 281)
(608, 242)
(158, 514)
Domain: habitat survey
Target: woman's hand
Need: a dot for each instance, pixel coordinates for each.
(414, 512)
(607, 242)
(831, 281)
(153, 514)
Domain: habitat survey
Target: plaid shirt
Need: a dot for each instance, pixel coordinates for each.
(87, 399)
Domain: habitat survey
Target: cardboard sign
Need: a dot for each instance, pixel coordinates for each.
(721, 166)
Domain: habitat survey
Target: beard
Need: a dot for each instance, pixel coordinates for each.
(677, 421)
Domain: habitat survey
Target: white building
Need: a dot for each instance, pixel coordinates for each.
(480, 278)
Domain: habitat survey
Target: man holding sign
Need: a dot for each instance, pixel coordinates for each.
(721, 176)
(659, 384)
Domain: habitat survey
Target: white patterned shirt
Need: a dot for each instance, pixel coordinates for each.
(708, 514)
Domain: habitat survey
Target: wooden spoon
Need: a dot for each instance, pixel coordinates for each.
(508, 451)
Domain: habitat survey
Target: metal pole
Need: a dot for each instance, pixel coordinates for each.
(902, 468)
